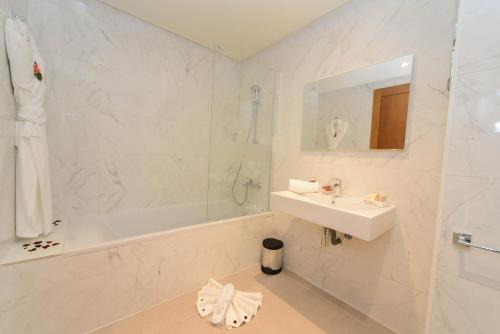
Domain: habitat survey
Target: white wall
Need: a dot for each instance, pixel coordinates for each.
(387, 279)
(466, 290)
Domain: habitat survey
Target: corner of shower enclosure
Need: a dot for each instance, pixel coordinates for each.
(241, 135)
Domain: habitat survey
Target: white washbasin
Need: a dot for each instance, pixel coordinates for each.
(347, 214)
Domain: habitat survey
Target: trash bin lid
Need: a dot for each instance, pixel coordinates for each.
(272, 244)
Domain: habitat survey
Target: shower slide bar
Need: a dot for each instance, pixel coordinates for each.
(464, 239)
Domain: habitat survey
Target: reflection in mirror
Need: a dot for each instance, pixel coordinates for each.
(359, 110)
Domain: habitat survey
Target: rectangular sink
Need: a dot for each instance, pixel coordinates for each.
(346, 214)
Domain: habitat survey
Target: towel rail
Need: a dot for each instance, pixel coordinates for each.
(464, 239)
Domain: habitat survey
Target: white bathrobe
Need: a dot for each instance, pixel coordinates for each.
(33, 193)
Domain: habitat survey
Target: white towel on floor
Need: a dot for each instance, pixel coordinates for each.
(242, 307)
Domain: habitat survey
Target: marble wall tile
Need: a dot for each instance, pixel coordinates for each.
(388, 278)
(474, 129)
(7, 150)
(7, 177)
(77, 293)
(470, 204)
(478, 19)
(75, 181)
(464, 306)
(466, 285)
(224, 136)
(7, 106)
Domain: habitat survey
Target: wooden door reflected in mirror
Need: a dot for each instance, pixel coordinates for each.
(389, 116)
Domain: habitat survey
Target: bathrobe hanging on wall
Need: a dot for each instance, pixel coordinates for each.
(33, 194)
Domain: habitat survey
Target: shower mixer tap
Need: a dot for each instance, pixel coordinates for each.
(253, 183)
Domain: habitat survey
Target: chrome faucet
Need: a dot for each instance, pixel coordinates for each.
(252, 183)
(337, 187)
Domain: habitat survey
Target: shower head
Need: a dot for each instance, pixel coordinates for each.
(255, 94)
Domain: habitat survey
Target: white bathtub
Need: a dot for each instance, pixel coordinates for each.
(87, 234)
(100, 232)
(96, 231)
(95, 285)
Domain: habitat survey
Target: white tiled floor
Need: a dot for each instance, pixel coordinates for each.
(290, 305)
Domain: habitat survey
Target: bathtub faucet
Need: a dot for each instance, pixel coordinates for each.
(253, 183)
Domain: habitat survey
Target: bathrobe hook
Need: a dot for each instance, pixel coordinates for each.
(18, 17)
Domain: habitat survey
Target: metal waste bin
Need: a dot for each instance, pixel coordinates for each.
(272, 256)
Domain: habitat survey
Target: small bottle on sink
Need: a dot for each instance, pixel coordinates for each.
(327, 189)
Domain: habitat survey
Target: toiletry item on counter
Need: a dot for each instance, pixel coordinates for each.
(327, 189)
(301, 187)
(332, 187)
(377, 199)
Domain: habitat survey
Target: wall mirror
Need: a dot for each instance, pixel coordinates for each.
(366, 109)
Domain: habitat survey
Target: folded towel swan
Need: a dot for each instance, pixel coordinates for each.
(223, 302)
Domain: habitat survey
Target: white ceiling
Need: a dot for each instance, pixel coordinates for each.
(240, 27)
